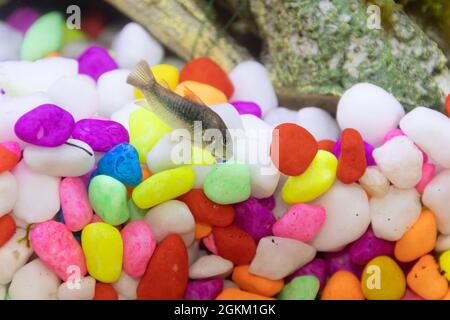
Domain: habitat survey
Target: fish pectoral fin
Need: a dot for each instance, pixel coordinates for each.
(141, 76)
(189, 94)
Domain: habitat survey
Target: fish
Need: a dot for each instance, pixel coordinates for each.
(182, 113)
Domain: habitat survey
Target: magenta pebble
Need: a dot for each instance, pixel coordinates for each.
(268, 202)
(22, 18)
(368, 148)
(95, 61)
(247, 107)
(368, 247)
(317, 268)
(254, 218)
(101, 135)
(341, 261)
(207, 289)
(47, 126)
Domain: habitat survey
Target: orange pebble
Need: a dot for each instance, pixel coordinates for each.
(237, 294)
(206, 93)
(7, 228)
(202, 230)
(105, 291)
(447, 105)
(343, 285)
(145, 174)
(447, 296)
(326, 145)
(352, 161)
(419, 240)
(426, 280)
(255, 284)
(8, 159)
(53, 55)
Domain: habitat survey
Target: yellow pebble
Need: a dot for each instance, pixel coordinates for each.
(208, 94)
(202, 157)
(103, 250)
(164, 73)
(444, 263)
(145, 131)
(163, 186)
(317, 179)
(383, 279)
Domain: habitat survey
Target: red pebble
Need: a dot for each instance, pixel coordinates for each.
(8, 159)
(206, 211)
(326, 145)
(93, 23)
(7, 228)
(352, 161)
(447, 104)
(105, 291)
(234, 244)
(293, 148)
(167, 273)
(205, 70)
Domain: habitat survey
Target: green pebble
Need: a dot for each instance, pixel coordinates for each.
(108, 198)
(136, 213)
(300, 288)
(43, 37)
(228, 183)
(7, 296)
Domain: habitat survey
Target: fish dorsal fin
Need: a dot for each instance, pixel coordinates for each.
(189, 94)
(141, 76)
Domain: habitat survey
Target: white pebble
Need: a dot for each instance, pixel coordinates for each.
(193, 251)
(374, 182)
(134, 43)
(76, 94)
(278, 257)
(280, 115)
(369, 109)
(436, 197)
(68, 160)
(172, 216)
(400, 161)
(200, 175)
(347, 216)
(442, 243)
(13, 255)
(280, 206)
(11, 42)
(210, 266)
(114, 92)
(2, 292)
(162, 156)
(8, 192)
(251, 83)
(430, 130)
(38, 196)
(393, 214)
(34, 281)
(126, 286)
(84, 289)
(122, 115)
(319, 123)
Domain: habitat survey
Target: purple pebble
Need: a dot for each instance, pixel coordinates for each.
(268, 202)
(341, 261)
(247, 107)
(254, 218)
(47, 126)
(368, 247)
(101, 135)
(317, 268)
(368, 149)
(22, 18)
(203, 289)
(95, 61)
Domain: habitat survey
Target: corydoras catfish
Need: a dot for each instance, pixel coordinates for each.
(182, 113)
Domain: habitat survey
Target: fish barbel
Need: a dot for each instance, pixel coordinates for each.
(181, 113)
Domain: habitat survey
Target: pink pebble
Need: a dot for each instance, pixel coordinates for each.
(14, 147)
(392, 134)
(56, 246)
(301, 222)
(210, 244)
(138, 246)
(75, 204)
(427, 174)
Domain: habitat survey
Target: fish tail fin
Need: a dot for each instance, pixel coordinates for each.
(141, 76)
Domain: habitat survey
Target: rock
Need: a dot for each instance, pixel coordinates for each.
(369, 109)
(374, 182)
(77, 211)
(435, 196)
(319, 123)
(368, 246)
(95, 61)
(426, 280)
(8, 192)
(279, 115)
(400, 161)
(207, 289)
(430, 130)
(126, 286)
(395, 213)
(11, 43)
(247, 107)
(210, 266)
(347, 208)
(342, 285)
(122, 115)
(84, 289)
(22, 18)
(278, 257)
(134, 43)
(232, 243)
(113, 91)
(301, 288)
(255, 284)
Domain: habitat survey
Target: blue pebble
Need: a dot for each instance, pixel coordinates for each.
(121, 163)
